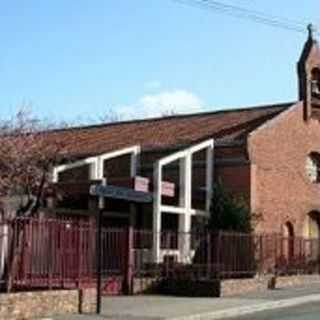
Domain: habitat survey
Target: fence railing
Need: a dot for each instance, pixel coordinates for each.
(58, 254)
(226, 254)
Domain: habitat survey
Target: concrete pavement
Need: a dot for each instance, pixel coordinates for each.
(176, 308)
(309, 311)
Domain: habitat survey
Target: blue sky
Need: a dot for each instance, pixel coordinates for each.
(78, 58)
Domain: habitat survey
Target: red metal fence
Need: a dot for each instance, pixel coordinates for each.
(225, 255)
(62, 254)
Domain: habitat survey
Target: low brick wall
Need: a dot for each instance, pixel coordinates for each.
(38, 304)
(28, 305)
(87, 300)
(239, 286)
(145, 285)
(292, 281)
(236, 286)
(231, 287)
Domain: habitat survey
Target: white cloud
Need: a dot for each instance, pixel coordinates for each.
(177, 101)
(164, 103)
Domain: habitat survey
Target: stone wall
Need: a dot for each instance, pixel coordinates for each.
(231, 287)
(38, 304)
(145, 285)
(87, 300)
(238, 286)
(293, 281)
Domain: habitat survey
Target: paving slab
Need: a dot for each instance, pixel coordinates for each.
(160, 307)
(284, 293)
(176, 308)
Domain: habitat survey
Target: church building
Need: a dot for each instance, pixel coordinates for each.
(162, 170)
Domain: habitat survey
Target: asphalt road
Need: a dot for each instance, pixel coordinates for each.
(303, 312)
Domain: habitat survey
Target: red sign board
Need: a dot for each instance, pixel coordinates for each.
(168, 189)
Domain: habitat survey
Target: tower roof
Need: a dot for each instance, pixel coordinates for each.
(311, 51)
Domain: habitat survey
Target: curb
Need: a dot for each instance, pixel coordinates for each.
(242, 311)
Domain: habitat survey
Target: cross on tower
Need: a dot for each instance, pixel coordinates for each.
(311, 31)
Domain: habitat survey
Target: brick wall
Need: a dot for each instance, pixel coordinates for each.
(87, 300)
(293, 281)
(279, 150)
(229, 287)
(241, 286)
(235, 178)
(38, 304)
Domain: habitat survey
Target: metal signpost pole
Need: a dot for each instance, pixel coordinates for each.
(98, 248)
(113, 192)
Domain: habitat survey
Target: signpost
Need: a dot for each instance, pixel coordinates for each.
(98, 247)
(120, 193)
(126, 194)
(104, 191)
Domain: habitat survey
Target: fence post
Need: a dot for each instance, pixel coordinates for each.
(128, 276)
(218, 256)
(79, 237)
(14, 254)
(51, 252)
(275, 255)
(167, 236)
(209, 257)
(98, 259)
(261, 268)
(318, 256)
(62, 252)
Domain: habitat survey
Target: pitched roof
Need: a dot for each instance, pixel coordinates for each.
(167, 132)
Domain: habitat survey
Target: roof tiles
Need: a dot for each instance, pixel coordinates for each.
(167, 131)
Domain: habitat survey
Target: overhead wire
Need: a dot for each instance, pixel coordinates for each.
(248, 14)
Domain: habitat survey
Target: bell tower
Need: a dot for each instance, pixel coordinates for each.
(309, 76)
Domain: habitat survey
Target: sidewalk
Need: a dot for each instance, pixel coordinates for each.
(173, 308)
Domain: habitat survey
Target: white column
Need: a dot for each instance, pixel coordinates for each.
(55, 175)
(209, 176)
(134, 163)
(102, 199)
(96, 170)
(157, 179)
(186, 203)
(3, 248)
(134, 169)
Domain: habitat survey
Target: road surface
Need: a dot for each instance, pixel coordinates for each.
(303, 312)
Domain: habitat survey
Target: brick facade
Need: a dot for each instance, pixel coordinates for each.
(279, 149)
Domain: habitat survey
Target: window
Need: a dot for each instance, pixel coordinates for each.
(313, 167)
(315, 82)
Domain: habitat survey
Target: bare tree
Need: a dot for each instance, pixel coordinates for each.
(111, 115)
(168, 113)
(27, 155)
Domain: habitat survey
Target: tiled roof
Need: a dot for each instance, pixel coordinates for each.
(167, 132)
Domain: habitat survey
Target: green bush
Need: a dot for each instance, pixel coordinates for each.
(228, 212)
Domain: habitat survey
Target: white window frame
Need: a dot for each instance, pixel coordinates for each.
(184, 209)
(96, 163)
